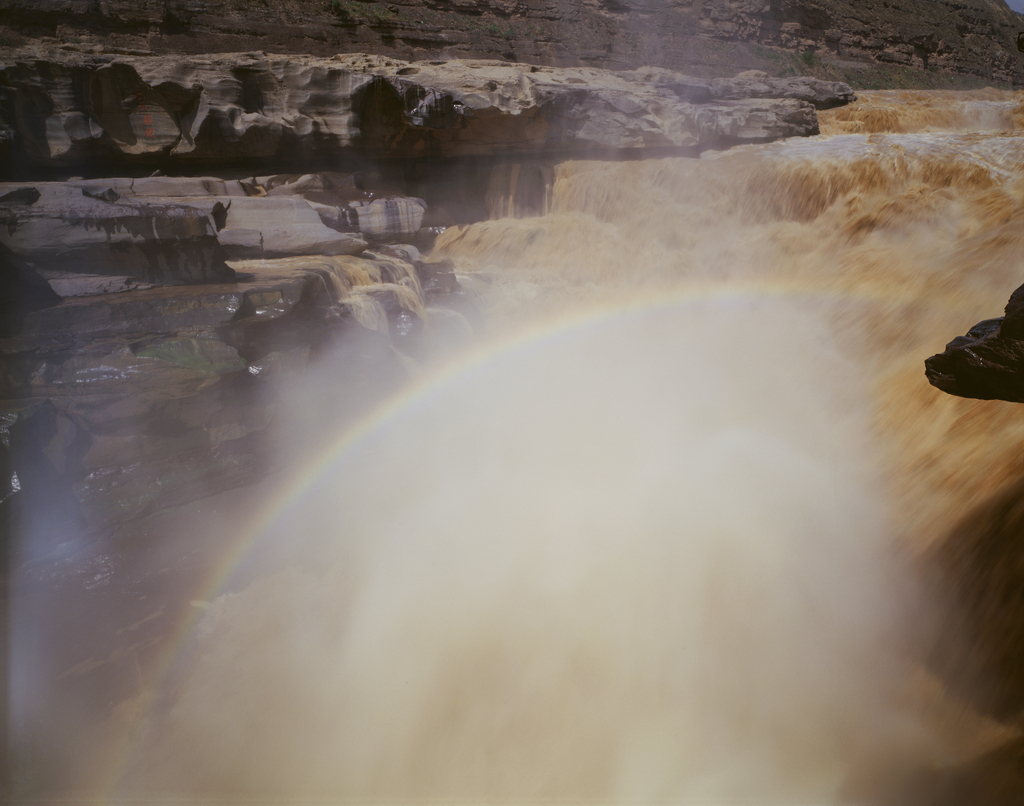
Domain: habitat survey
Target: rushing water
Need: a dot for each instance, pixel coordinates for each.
(659, 538)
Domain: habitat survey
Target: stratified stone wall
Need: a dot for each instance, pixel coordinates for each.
(959, 36)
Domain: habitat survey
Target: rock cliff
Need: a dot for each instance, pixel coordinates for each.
(975, 37)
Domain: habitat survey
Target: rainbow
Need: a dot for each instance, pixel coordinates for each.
(277, 509)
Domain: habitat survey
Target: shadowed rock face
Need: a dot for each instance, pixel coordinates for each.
(987, 363)
(22, 290)
(980, 571)
(61, 109)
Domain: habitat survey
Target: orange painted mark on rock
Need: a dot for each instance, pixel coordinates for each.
(147, 117)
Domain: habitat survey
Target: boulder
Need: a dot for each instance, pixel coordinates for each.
(987, 363)
(390, 220)
(736, 122)
(344, 206)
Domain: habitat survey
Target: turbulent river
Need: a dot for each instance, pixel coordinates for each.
(659, 537)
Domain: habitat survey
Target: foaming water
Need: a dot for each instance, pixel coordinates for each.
(662, 547)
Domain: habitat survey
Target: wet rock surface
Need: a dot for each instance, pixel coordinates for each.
(987, 363)
(62, 108)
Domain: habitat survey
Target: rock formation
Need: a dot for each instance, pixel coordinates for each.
(961, 36)
(987, 363)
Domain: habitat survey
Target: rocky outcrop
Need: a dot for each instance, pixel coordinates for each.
(85, 228)
(987, 363)
(961, 36)
(97, 236)
(61, 109)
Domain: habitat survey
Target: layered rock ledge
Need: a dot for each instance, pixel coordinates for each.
(62, 109)
(178, 230)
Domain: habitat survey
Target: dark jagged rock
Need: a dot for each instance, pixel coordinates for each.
(987, 363)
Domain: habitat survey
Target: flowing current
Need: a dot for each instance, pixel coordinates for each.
(659, 537)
